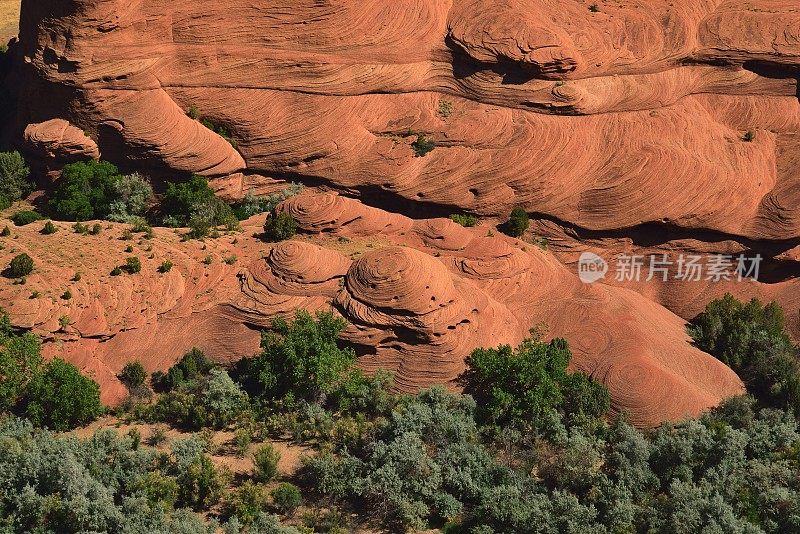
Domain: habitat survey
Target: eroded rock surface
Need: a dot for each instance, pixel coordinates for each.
(600, 122)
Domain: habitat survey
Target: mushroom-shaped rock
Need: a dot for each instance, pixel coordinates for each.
(442, 234)
(295, 275)
(329, 212)
(56, 142)
(418, 318)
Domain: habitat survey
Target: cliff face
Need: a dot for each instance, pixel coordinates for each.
(603, 121)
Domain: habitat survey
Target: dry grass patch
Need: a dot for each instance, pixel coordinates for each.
(9, 19)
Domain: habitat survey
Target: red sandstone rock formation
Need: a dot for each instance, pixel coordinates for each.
(419, 296)
(602, 122)
(605, 120)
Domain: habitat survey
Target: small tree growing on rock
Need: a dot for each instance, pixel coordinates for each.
(49, 228)
(133, 375)
(21, 265)
(518, 223)
(280, 227)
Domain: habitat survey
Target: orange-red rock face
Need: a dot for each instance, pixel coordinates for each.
(602, 121)
(419, 295)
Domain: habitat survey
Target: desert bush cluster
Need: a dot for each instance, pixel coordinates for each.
(528, 446)
(98, 190)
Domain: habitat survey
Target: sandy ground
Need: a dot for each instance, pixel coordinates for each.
(223, 442)
(9, 19)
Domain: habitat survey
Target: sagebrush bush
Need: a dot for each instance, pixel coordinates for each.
(265, 462)
(130, 197)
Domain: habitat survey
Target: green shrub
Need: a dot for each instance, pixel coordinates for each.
(245, 503)
(49, 228)
(20, 360)
(76, 277)
(594, 8)
(301, 358)
(467, 221)
(520, 387)
(265, 462)
(242, 439)
(25, 217)
(5, 232)
(207, 215)
(116, 271)
(194, 113)
(199, 483)
(749, 136)
(130, 197)
(192, 365)
(21, 265)
(159, 489)
(165, 267)
(220, 130)
(85, 191)
(80, 228)
(96, 229)
(286, 498)
(279, 227)
(63, 322)
(180, 198)
(67, 295)
(61, 398)
(133, 375)
(252, 205)
(133, 265)
(139, 225)
(158, 436)
(445, 108)
(750, 338)
(518, 223)
(15, 183)
(422, 146)
(230, 260)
